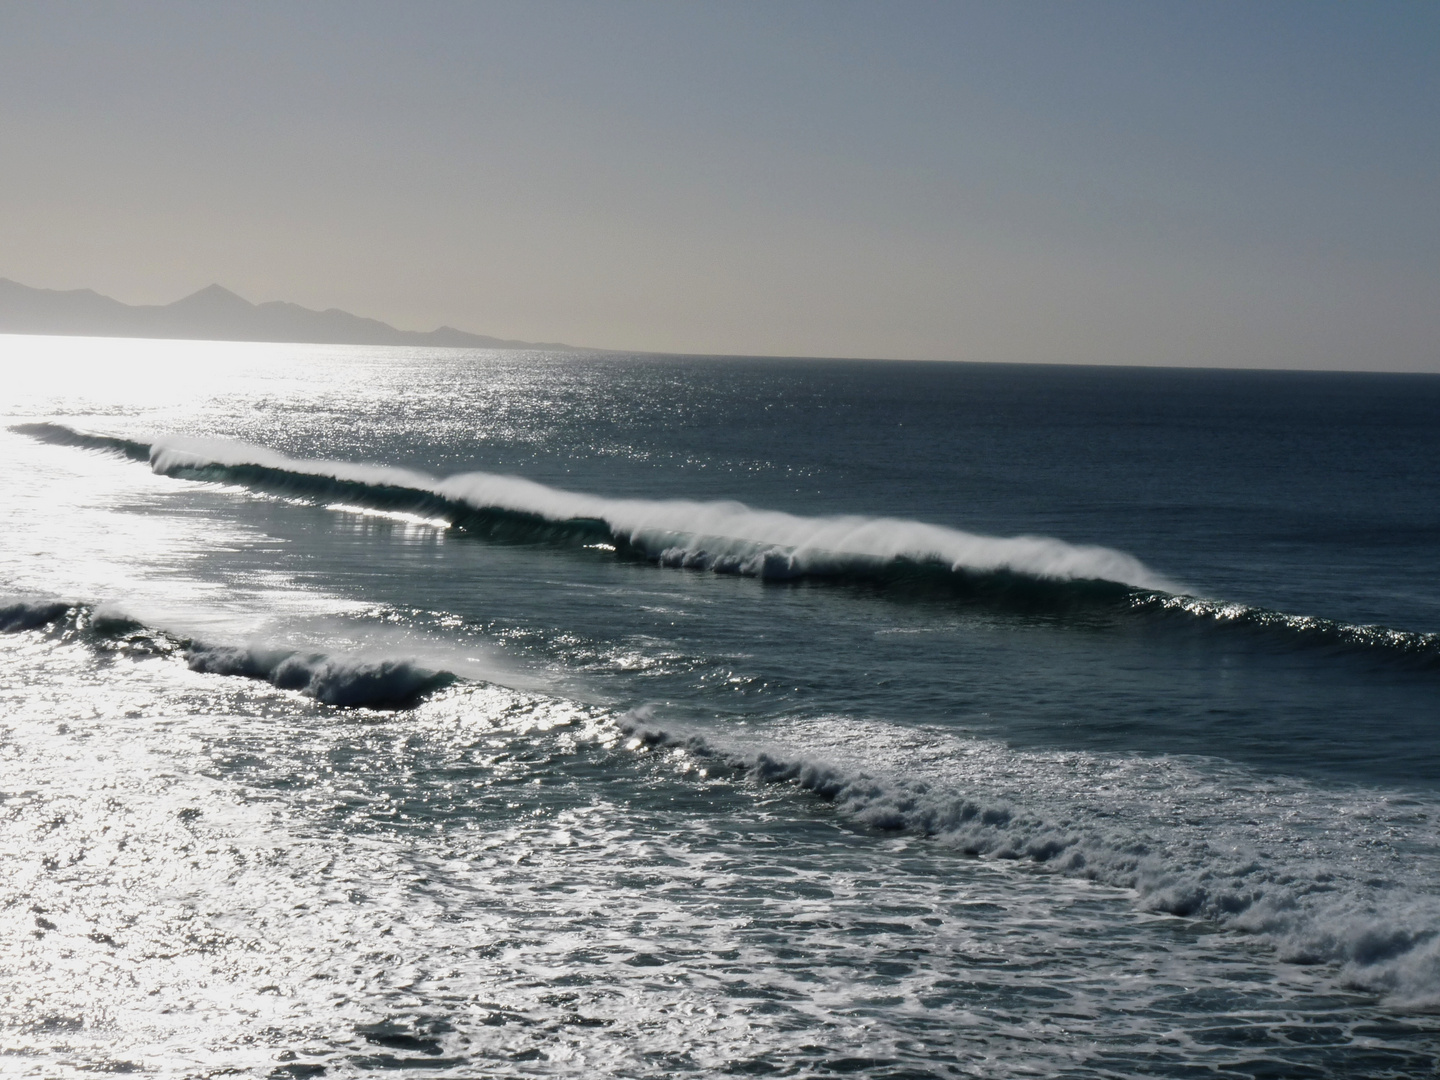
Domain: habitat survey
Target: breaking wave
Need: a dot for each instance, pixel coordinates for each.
(723, 537)
(1384, 937)
(348, 682)
(341, 680)
(18, 615)
(1024, 572)
(1307, 630)
(1381, 935)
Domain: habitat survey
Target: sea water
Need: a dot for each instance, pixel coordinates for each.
(524, 713)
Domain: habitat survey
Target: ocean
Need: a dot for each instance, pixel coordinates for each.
(513, 713)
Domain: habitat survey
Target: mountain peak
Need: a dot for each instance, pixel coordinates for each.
(216, 314)
(212, 296)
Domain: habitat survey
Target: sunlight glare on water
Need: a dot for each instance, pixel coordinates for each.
(304, 781)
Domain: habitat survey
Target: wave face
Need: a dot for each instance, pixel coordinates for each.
(61, 435)
(94, 624)
(1415, 648)
(345, 681)
(18, 615)
(723, 537)
(1027, 573)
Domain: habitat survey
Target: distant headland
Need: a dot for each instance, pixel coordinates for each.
(217, 314)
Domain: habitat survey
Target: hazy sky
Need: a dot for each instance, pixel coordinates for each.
(1204, 183)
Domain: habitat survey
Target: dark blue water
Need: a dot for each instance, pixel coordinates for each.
(1301, 493)
(1208, 733)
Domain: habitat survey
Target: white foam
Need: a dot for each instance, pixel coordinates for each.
(725, 536)
(1293, 864)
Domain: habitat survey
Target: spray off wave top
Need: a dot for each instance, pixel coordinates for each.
(732, 538)
(726, 537)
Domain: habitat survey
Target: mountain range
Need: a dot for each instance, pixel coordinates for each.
(216, 314)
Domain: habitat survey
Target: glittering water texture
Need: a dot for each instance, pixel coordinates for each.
(209, 877)
(665, 822)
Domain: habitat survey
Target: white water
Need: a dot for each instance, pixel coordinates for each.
(718, 535)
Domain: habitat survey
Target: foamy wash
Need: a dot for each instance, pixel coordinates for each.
(504, 713)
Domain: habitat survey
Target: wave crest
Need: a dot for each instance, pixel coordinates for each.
(721, 536)
(346, 682)
(339, 680)
(1308, 630)
(1030, 573)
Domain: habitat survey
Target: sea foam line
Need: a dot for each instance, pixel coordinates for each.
(1380, 938)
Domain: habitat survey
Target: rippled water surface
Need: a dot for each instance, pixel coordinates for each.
(314, 768)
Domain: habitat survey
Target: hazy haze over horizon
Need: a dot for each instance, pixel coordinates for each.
(1217, 185)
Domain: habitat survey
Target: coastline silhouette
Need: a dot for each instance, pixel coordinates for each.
(214, 313)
